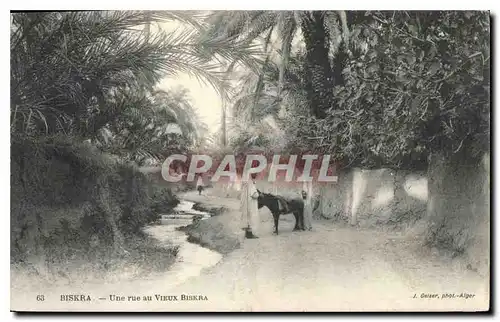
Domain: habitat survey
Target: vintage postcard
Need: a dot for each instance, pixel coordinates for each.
(248, 161)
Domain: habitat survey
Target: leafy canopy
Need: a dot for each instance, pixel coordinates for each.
(67, 68)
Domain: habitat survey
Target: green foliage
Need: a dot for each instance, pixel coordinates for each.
(51, 178)
(67, 68)
(322, 32)
(157, 126)
(263, 116)
(246, 140)
(54, 170)
(64, 65)
(257, 95)
(90, 77)
(140, 201)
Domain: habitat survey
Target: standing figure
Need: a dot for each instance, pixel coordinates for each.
(249, 207)
(307, 194)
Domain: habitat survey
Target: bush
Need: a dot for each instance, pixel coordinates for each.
(69, 202)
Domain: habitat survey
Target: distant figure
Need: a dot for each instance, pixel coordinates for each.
(307, 192)
(199, 185)
(249, 207)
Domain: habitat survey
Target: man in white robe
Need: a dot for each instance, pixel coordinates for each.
(307, 196)
(249, 207)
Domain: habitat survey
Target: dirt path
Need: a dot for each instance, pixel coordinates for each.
(331, 268)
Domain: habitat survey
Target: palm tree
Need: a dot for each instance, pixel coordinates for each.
(66, 67)
(257, 108)
(321, 32)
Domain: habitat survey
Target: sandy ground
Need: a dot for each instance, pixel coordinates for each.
(332, 268)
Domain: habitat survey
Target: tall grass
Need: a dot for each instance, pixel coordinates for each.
(62, 229)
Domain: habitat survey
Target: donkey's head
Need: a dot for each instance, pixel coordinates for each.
(266, 200)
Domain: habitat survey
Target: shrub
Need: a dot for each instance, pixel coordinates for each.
(69, 202)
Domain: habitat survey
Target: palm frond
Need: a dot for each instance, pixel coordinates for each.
(193, 18)
(287, 28)
(227, 24)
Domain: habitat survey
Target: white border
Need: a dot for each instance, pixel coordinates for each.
(254, 5)
(178, 5)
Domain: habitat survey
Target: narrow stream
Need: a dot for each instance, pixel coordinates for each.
(191, 258)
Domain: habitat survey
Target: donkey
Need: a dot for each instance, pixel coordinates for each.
(280, 206)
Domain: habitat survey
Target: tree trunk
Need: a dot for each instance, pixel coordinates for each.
(458, 208)
(319, 81)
